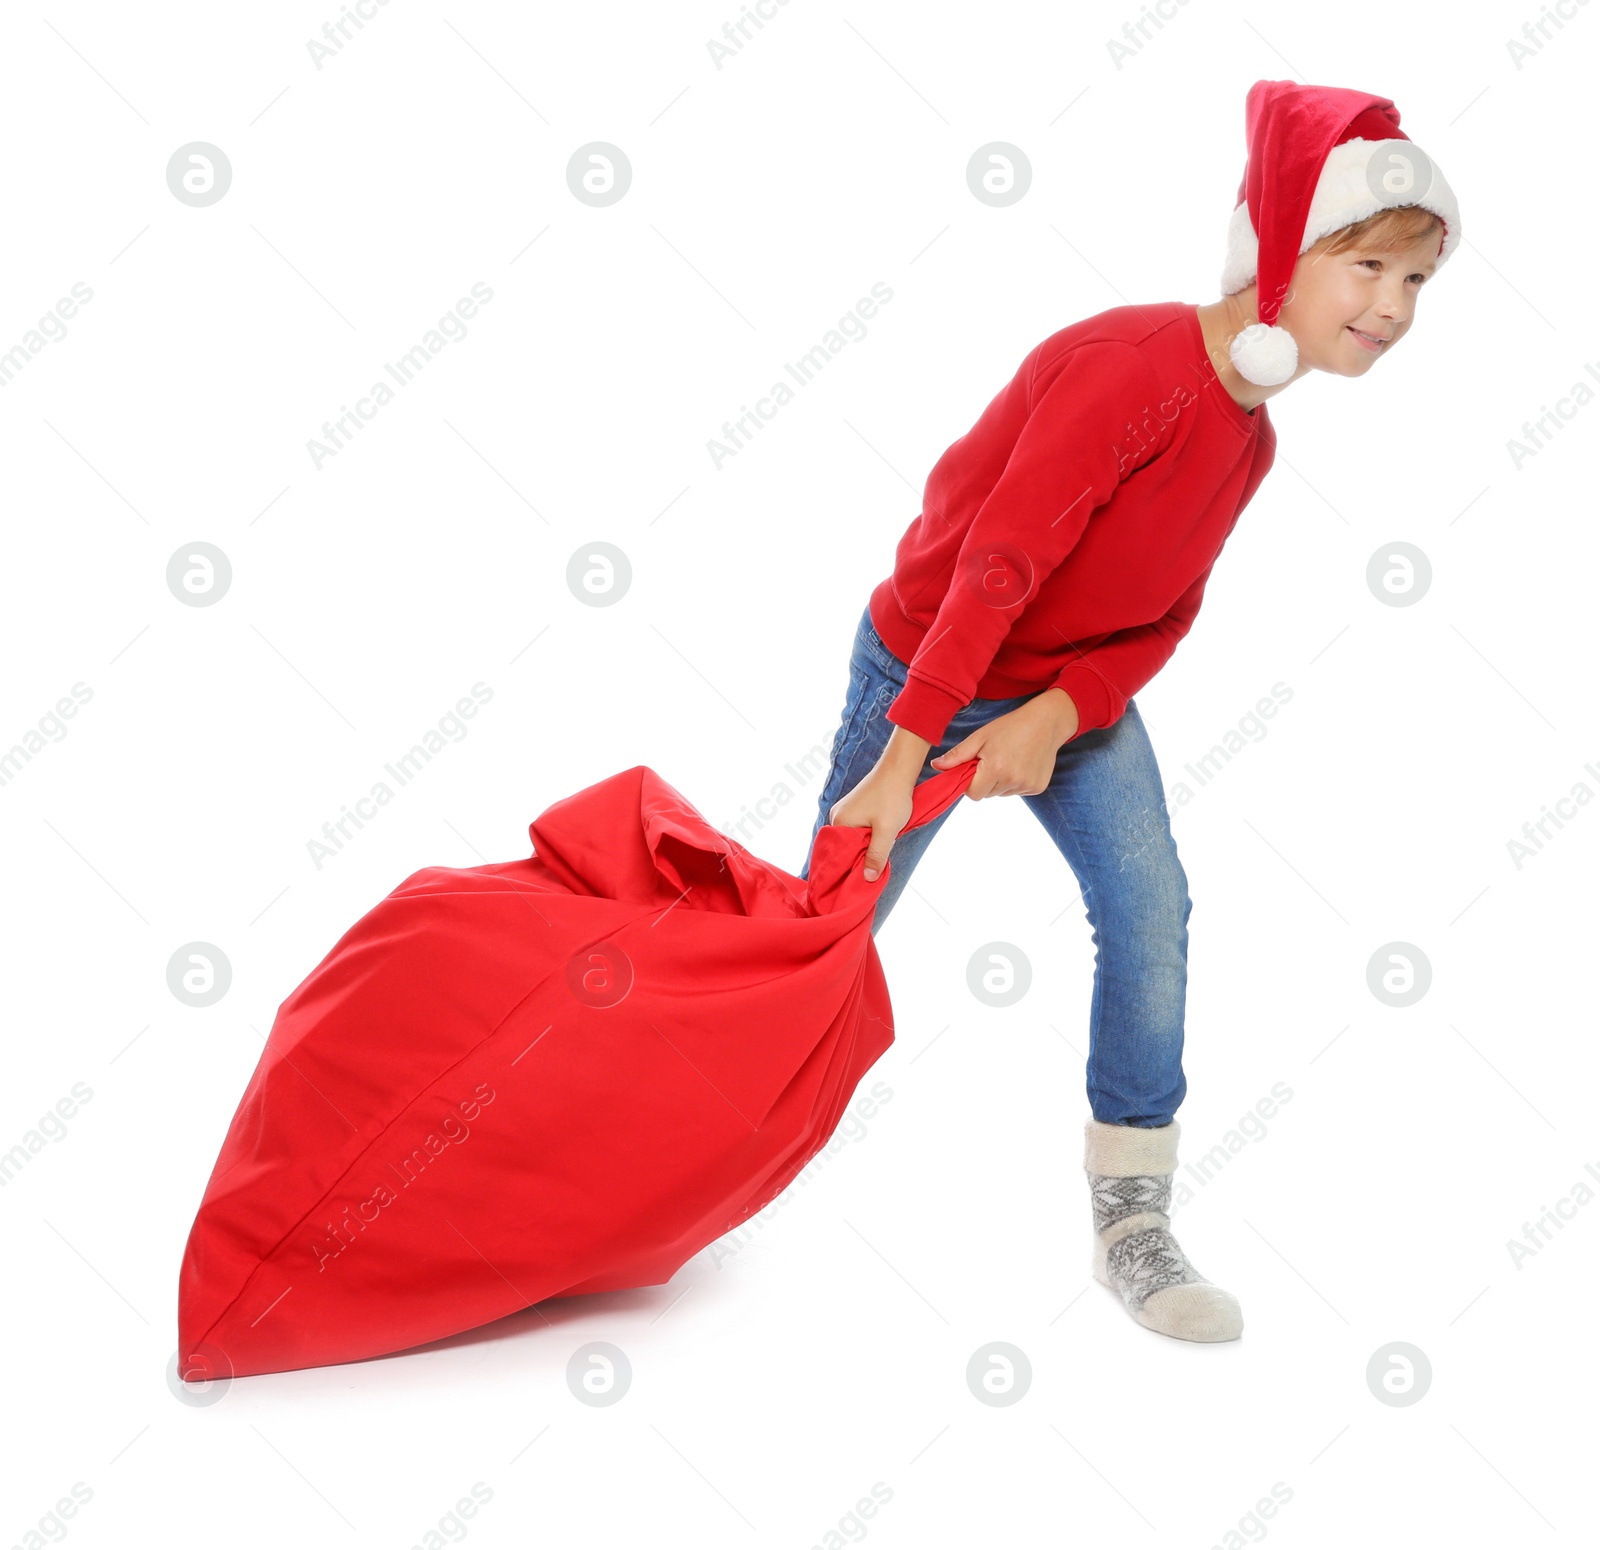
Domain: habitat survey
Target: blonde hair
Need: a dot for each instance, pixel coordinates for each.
(1391, 229)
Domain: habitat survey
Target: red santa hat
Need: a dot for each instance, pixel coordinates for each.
(1320, 158)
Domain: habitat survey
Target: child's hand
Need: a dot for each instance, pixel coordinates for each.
(1016, 752)
(880, 801)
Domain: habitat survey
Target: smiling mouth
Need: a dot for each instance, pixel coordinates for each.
(1372, 341)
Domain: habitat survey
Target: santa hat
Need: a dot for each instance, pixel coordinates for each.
(1320, 158)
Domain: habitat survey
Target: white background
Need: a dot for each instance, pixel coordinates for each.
(772, 1389)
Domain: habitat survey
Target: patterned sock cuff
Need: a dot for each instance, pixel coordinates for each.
(1114, 1198)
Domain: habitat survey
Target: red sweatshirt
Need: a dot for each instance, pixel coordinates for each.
(1066, 539)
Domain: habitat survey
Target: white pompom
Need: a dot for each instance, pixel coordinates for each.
(1263, 355)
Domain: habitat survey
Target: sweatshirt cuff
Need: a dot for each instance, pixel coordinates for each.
(924, 708)
(1089, 692)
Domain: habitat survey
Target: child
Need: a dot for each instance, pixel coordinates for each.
(1060, 556)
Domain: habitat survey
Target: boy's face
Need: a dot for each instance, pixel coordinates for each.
(1335, 299)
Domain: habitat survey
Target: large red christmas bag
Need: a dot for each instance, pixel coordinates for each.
(564, 1074)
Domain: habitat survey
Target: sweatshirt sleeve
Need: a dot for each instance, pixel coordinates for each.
(1069, 458)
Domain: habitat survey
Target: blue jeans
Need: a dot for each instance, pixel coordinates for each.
(1106, 813)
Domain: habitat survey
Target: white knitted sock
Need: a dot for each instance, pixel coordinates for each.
(1130, 1170)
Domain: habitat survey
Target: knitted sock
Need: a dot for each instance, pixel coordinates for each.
(1130, 1170)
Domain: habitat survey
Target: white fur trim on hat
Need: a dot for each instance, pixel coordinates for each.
(1342, 197)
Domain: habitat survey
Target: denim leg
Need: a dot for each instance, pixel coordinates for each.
(876, 677)
(1106, 813)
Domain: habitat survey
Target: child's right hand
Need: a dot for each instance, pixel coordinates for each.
(880, 801)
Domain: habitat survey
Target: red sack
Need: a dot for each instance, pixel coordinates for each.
(536, 1078)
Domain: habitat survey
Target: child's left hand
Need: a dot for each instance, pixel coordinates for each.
(1016, 752)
